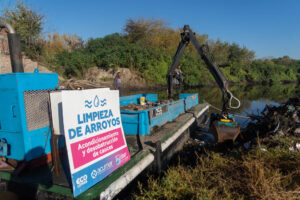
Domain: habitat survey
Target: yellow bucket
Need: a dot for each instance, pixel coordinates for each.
(142, 100)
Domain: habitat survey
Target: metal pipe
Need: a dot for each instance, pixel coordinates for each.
(10, 29)
(14, 48)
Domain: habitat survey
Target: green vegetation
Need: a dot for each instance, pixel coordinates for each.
(146, 46)
(257, 174)
(28, 23)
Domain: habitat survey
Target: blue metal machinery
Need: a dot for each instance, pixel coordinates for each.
(24, 116)
(24, 108)
(141, 122)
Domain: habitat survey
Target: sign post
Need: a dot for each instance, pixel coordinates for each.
(94, 135)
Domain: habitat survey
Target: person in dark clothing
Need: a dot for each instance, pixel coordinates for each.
(117, 82)
(178, 74)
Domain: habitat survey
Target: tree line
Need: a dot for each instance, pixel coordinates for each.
(146, 46)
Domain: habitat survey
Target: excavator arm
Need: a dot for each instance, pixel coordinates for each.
(223, 125)
(188, 36)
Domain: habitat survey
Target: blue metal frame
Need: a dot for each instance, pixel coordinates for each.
(190, 100)
(140, 122)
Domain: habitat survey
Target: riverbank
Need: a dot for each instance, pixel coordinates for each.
(264, 163)
(255, 174)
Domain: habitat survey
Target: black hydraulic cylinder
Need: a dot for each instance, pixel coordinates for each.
(176, 58)
(215, 71)
(15, 52)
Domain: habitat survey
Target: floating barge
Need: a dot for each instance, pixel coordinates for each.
(153, 136)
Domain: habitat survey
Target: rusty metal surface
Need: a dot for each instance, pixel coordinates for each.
(55, 154)
(5, 166)
(223, 132)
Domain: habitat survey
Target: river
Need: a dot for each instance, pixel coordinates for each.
(253, 97)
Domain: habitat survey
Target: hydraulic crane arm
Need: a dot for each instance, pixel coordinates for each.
(188, 36)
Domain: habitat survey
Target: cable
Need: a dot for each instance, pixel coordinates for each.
(228, 113)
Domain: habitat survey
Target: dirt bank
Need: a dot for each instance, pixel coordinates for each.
(29, 65)
(131, 79)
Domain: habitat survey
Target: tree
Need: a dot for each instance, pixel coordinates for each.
(140, 28)
(152, 33)
(73, 42)
(28, 23)
(56, 43)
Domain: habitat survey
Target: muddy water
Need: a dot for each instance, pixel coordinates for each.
(253, 97)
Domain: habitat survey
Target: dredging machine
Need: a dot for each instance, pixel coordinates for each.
(223, 124)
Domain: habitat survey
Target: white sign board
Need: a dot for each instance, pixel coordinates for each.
(94, 135)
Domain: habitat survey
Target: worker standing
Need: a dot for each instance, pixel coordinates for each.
(117, 82)
(178, 74)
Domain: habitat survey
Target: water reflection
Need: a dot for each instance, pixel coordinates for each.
(253, 97)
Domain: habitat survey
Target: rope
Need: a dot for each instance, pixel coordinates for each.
(228, 113)
(230, 100)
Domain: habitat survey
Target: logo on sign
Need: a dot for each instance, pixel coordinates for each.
(101, 169)
(96, 102)
(120, 157)
(118, 161)
(81, 180)
(94, 174)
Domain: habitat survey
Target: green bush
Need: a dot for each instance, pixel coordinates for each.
(153, 61)
(74, 63)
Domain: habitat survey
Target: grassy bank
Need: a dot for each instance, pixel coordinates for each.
(262, 163)
(273, 173)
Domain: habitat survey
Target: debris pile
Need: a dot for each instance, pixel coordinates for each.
(283, 120)
(146, 106)
(269, 128)
(273, 123)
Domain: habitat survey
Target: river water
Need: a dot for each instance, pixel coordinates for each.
(253, 97)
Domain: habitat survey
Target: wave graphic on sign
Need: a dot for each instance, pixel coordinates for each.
(88, 104)
(103, 102)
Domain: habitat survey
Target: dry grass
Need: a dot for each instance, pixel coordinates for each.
(257, 174)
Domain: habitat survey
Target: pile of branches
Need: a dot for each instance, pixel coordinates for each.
(147, 105)
(73, 84)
